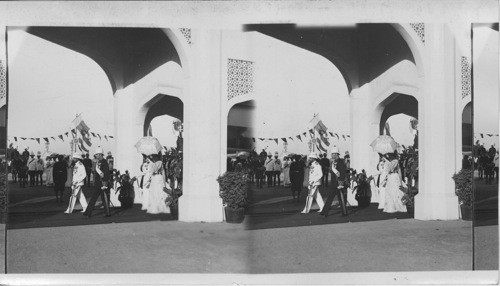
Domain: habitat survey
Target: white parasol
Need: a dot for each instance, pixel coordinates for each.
(148, 145)
(384, 144)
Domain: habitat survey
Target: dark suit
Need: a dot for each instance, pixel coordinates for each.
(88, 168)
(296, 177)
(334, 190)
(101, 188)
(59, 175)
(325, 165)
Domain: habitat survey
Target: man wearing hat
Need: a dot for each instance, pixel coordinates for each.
(101, 184)
(32, 168)
(269, 163)
(79, 174)
(277, 170)
(315, 175)
(39, 168)
(26, 153)
(338, 170)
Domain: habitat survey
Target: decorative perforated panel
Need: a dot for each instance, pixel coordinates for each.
(419, 28)
(239, 77)
(3, 81)
(466, 77)
(187, 34)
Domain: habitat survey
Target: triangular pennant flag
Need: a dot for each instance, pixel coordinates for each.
(53, 138)
(284, 140)
(24, 138)
(93, 134)
(343, 137)
(311, 131)
(489, 135)
(349, 136)
(73, 131)
(253, 139)
(338, 138)
(262, 139)
(38, 140)
(481, 135)
(331, 134)
(403, 146)
(111, 136)
(61, 137)
(105, 136)
(298, 136)
(291, 138)
(304, 133)
(276, 140)
(15, 139)
(46, 140)
(66, 134)
(98, 135)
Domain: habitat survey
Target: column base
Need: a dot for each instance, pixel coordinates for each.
(200, 209)
(436, 207)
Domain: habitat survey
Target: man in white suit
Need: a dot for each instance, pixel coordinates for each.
(79, 175)
(315, 176)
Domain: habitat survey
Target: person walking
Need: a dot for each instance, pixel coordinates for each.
(102, 183)
(87, 163)
(286, 172)
(79, 175)
(325, 165)
(296, 176)
(392, 182)
(39, 165)
(315, 175)
(49, 164)
(269, 163)
(338, 169)
(277, 170)
(59, 175)
(32, 168)
(155, 183)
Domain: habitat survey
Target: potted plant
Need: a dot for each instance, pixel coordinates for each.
(463, 190)
(234, 187)
(362, 189)
(411, 172)
(172, 161)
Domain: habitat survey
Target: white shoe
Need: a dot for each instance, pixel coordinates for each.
(66, 212)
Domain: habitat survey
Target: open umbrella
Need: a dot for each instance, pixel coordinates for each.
(148, 145)
(384, 144)
(243, 154)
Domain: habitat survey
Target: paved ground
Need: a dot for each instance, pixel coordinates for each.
(175, 247)
(154, 246)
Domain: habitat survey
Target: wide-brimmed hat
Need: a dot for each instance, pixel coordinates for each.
(313, 156)
(32, 153)
(77, 155)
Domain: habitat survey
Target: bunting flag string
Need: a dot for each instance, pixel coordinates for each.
(85, 137)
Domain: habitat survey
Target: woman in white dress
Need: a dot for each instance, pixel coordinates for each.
(49, 163)
(315, 176)
(392, 182)
(377, 182)
(143, 190)
(155, 183)
(286, 172)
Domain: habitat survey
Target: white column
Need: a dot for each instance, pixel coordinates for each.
(128, 130)
(363, 130)
(202, 143)
(3, 66)
(437, 125)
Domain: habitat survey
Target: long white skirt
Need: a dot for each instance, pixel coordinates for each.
(156, 197)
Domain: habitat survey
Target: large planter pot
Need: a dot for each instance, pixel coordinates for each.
(234, 215)
(363, 202)
(410, 208)
(174, 211)
(466, 212)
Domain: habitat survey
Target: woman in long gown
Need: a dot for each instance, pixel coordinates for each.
(155, 183)
(49, 164)
(392, 183)
(138, 190)
(286, 172)
(143, 189)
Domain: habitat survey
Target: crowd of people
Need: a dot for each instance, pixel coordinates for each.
(310, 172)
(484, 162)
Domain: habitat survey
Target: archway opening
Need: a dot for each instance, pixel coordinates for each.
(399, 104)
(467, 133)
(240, 121)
